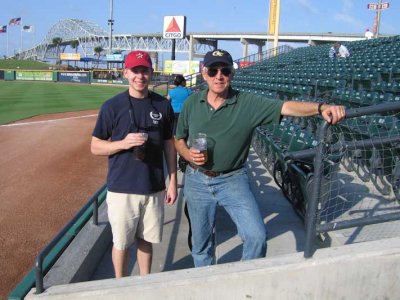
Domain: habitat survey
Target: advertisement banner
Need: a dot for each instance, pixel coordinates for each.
(110, 81)
(184, 67)
(9, 75)
(77, 77)
(34, 75)
(70, 56)
(115, 57)
(1, 74)
(244, 64)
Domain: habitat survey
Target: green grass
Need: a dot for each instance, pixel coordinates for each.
(20, 100)
(23, 64)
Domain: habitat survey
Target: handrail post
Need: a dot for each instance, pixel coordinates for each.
(39, 275)
(311, 214)
(95, 217)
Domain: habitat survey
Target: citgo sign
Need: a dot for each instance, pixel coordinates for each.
(174, 27)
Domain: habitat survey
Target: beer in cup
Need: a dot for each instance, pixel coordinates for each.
(200, 143)
(139, 152)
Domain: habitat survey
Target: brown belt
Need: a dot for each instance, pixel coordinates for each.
(211, 173)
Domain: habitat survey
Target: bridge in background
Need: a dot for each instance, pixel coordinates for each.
(91, 35)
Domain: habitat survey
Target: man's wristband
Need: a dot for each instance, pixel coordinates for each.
(319, 108)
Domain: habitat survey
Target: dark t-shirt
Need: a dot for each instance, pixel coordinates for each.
(153, 115)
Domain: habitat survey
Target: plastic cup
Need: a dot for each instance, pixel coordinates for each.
(139, 152)
(200, 143)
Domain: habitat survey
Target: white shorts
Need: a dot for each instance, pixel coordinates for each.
(135, 216)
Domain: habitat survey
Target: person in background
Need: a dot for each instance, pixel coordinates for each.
(178, 95)
(228, 117)
(343, 52)
(368, 34)
(338, 50)
(136, 184)
(332, 51)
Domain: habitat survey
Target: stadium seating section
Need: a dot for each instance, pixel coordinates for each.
(371, 75)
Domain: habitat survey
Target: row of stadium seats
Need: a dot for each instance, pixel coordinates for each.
(370, 76)
(360, 70)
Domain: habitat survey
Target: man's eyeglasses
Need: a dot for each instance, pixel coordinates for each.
(212, 72)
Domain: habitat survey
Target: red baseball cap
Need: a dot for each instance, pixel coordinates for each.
(137, 58)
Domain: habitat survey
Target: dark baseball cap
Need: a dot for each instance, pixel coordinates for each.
(217, 56)
(138, 58)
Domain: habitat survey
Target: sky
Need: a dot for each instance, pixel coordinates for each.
(140, 17)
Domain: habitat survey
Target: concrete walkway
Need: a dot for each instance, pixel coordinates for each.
(286, 232)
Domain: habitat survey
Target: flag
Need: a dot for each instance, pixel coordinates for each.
(15, 21)
(3, 29)
(27, 28)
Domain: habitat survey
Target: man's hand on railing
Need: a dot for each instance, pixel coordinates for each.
(332, 113)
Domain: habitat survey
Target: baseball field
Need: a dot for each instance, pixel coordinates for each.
(47, 171)
(20, 100)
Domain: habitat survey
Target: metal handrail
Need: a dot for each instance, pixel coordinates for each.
(311, 216)
(351, 113)
(93, 202)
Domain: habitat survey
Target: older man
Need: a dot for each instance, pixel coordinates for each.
(228, 117)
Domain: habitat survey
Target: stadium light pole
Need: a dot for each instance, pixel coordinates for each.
(111, 23)
(378, 7)
(378, 18)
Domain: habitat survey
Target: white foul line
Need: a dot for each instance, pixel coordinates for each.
(46, 121)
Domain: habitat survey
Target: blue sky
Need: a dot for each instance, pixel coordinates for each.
(339, 16)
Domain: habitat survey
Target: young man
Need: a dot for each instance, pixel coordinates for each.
(228, 117)
(136, 183)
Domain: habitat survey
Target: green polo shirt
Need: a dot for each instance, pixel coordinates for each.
(229, 129)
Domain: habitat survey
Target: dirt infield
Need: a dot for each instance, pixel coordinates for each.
(47, 174)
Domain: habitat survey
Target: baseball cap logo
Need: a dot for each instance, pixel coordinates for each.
(218, 53)
(137, 58)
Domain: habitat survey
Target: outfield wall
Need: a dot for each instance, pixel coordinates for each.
(87, 77)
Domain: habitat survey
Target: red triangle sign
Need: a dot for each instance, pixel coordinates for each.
(173, 26)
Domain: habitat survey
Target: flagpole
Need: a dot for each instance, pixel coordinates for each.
(7, 40)
(20, 52)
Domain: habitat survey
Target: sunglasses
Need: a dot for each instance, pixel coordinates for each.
(212, 72)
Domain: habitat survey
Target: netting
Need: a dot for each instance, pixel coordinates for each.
(360, 178)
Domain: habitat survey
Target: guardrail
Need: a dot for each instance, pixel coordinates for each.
(92, 203)
(49, 255)
(314, 225)
(340, 177)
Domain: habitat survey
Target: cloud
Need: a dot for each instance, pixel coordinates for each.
(308, 6)
(155, 17)
(347, 5)
(210, 25)
(345, 18)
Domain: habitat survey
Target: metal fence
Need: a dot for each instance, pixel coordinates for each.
(343, 178)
